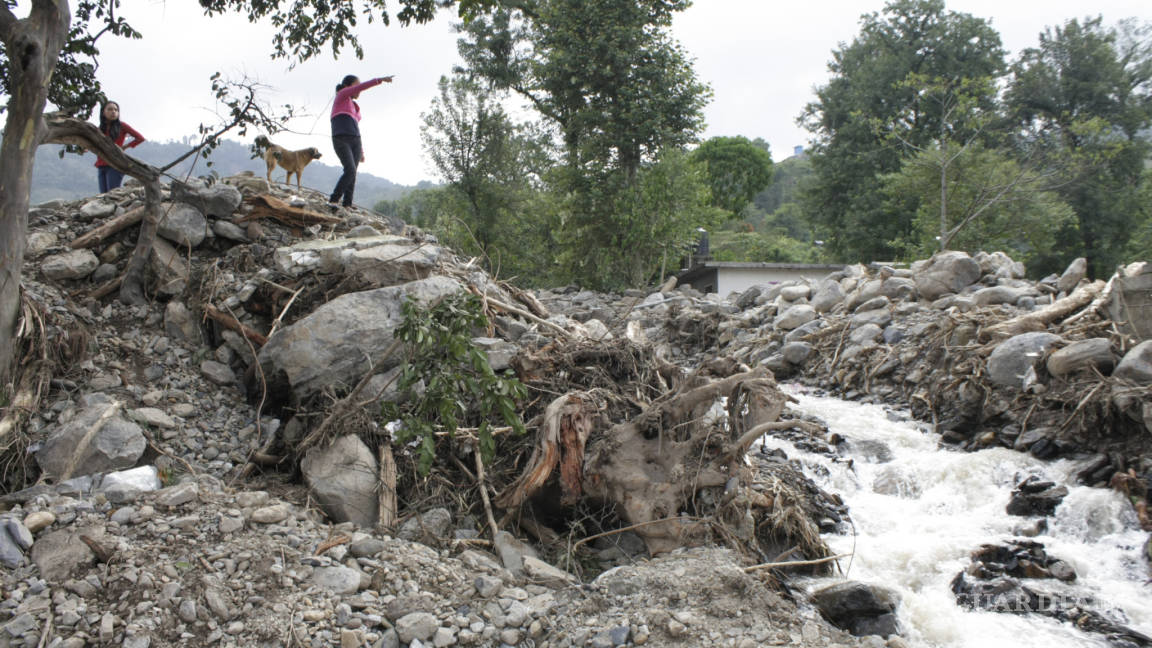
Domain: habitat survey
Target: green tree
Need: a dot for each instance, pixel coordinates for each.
(974, 198)
(737, 170)
(653, 220)
(620, 93)
(1084, 95)
(490, 162)
(868, 95)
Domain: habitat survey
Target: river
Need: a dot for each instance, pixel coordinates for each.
(951, 502)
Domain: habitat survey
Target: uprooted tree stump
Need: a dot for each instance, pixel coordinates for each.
(676, 473)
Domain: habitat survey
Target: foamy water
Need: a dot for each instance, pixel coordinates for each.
(951, 503)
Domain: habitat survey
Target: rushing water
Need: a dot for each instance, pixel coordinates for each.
(951, 503)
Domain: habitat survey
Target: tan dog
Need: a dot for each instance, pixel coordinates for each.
(291, 161)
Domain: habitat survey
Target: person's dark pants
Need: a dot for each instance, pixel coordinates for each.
(108, 178)
(349, 149)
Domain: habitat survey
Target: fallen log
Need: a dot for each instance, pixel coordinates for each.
(1040, 320)
(266, 206)
(230, 322)
(99, 234)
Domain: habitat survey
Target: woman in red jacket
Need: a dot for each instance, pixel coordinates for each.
(117, 131)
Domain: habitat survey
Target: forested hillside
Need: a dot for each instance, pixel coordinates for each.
(73, 176)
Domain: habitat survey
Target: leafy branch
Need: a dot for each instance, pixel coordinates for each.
(460, 387)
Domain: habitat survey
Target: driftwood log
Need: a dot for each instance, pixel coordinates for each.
(676, 474)
(266, 206)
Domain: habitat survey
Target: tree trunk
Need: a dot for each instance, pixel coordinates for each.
(32, 46)
(67, 130)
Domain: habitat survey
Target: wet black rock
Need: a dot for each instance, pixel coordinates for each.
(1035, 497)
(859, 608)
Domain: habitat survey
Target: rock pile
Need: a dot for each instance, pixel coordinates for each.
(146, 529)
(166, 517)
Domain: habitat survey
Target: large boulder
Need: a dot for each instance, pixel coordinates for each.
(859, 608)
(342, 478)
(182, 224)
(828, 295)
(346, 337)
(1072, 275)
(1082, 354)
(217, 200)
(794, 317)
(1136, 365)
(946, 272)
(74, 264)
(96, 440)
(1012, 358)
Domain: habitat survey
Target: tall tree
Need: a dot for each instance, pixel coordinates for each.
(491, 165)
(619, 91)
(33, 47)
(736, 169)
(869, 91)
(1084, 95)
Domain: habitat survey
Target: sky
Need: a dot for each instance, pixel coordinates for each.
(763, 60)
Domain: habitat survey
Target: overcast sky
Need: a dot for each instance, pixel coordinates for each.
(762, 59)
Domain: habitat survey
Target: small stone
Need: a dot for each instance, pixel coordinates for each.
(270, 514)
(39, 521)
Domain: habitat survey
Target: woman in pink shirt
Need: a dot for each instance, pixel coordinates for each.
(116, 130)
(346, 134)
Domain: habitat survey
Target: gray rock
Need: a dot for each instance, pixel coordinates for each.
(99, 208)
(998, 295)
(217, 200)
(367, 547)
(74, 264)
(1082, 354)
(104, 272)
(18, 533)
(898, 288)
(879, 301)
(828, 295)
(747, 299)
(182, 224)
(340, 580)
(11, 555)
(39, 242)
(512, 551)
(811, 327)
(180, 323)
(217, 372)
(58, 553)
(431, 527)
(501, 352)
(1073, 275)
(168, 264)
(178, 495)
(795, 293)
(878, 317)
(416, 626)
(1012, 358)
(229, 231)
(867, 332)
(96, 440)
(339, 341)
(794, 317)
(946, 272)
(796, 353)
(342, 478)
(1136, 365)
